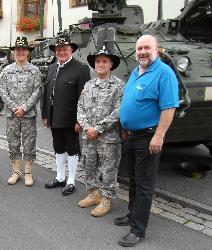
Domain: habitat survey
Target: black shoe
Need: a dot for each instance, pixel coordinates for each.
(122, 221)
(55, 183)
(68, 189)
(131, 240)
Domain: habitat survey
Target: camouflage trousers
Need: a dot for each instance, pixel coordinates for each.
(101, 161)
(21, 132)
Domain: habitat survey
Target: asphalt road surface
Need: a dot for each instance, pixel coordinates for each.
(36, 218)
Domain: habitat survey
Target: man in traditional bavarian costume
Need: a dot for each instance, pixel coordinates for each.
(20, 86)
(98, 110)
(65, 81)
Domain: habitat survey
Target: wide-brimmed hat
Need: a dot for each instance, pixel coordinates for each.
(104, 52)
(21, 42)
(64, 40)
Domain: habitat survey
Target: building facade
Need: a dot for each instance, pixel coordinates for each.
(22, 17)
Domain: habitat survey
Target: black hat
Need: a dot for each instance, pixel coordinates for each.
(21, 42)
(63, 40)
(115, 59)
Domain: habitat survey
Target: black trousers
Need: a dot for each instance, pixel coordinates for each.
(142, 167)
(65, 140)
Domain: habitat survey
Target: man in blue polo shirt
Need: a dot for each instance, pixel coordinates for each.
(146, 112)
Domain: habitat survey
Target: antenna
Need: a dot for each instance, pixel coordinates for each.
(59, 15)
(160, 9)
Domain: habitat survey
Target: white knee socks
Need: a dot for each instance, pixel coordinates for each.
(72, 167)
(60, 163)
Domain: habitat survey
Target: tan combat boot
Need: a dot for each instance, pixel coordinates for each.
(92, 199)
(16, 172)
(28, 173)
(103, 207)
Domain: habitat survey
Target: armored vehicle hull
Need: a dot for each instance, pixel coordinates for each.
(185, 44)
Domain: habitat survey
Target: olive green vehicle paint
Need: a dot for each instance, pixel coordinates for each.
(185, 44)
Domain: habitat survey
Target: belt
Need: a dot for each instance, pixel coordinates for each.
(141, 131)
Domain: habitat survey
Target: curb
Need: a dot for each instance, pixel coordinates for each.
(172, 197)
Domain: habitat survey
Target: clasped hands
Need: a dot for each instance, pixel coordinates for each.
(18, 112)
(91, 133)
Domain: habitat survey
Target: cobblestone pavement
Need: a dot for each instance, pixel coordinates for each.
(189, 217)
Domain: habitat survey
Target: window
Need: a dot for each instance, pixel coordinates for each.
(76, 3)
(28, 17)
(31, 8)
(1, 9)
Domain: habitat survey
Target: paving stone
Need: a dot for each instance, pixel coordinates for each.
(80, 180)
(175, 205)
(205, 216)
(46, 160)
(156, 210)
(190, 210)
(207, 231)
(4, 147)
(161, 200)
(173, 217)
(208, 224)
(191, 217)
(195, 226)
(123, 192)
(124, 187)
(180, 213)
(155, 203)
(49, 166)
(123, 197)
(41, 163)
(168, 208)
(41, 160)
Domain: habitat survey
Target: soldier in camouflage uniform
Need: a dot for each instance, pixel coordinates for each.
(98, 109)
(20, 85)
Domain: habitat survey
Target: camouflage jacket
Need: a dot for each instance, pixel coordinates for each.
(98, 107)
(20, 87)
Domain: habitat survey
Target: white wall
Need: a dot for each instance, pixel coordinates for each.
(8, 31)
(7, 23)
(150, 8)
(171, 8)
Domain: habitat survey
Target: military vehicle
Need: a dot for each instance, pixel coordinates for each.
(5, 57)
(42, 56)
(185, 44)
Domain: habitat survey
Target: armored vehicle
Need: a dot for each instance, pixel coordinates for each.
(5, 57)
(42, 56)
(185, 44)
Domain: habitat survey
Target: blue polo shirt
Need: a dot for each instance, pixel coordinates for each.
(145, 96)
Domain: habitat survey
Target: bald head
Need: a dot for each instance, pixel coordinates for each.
(149, 38)
(146, 50)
